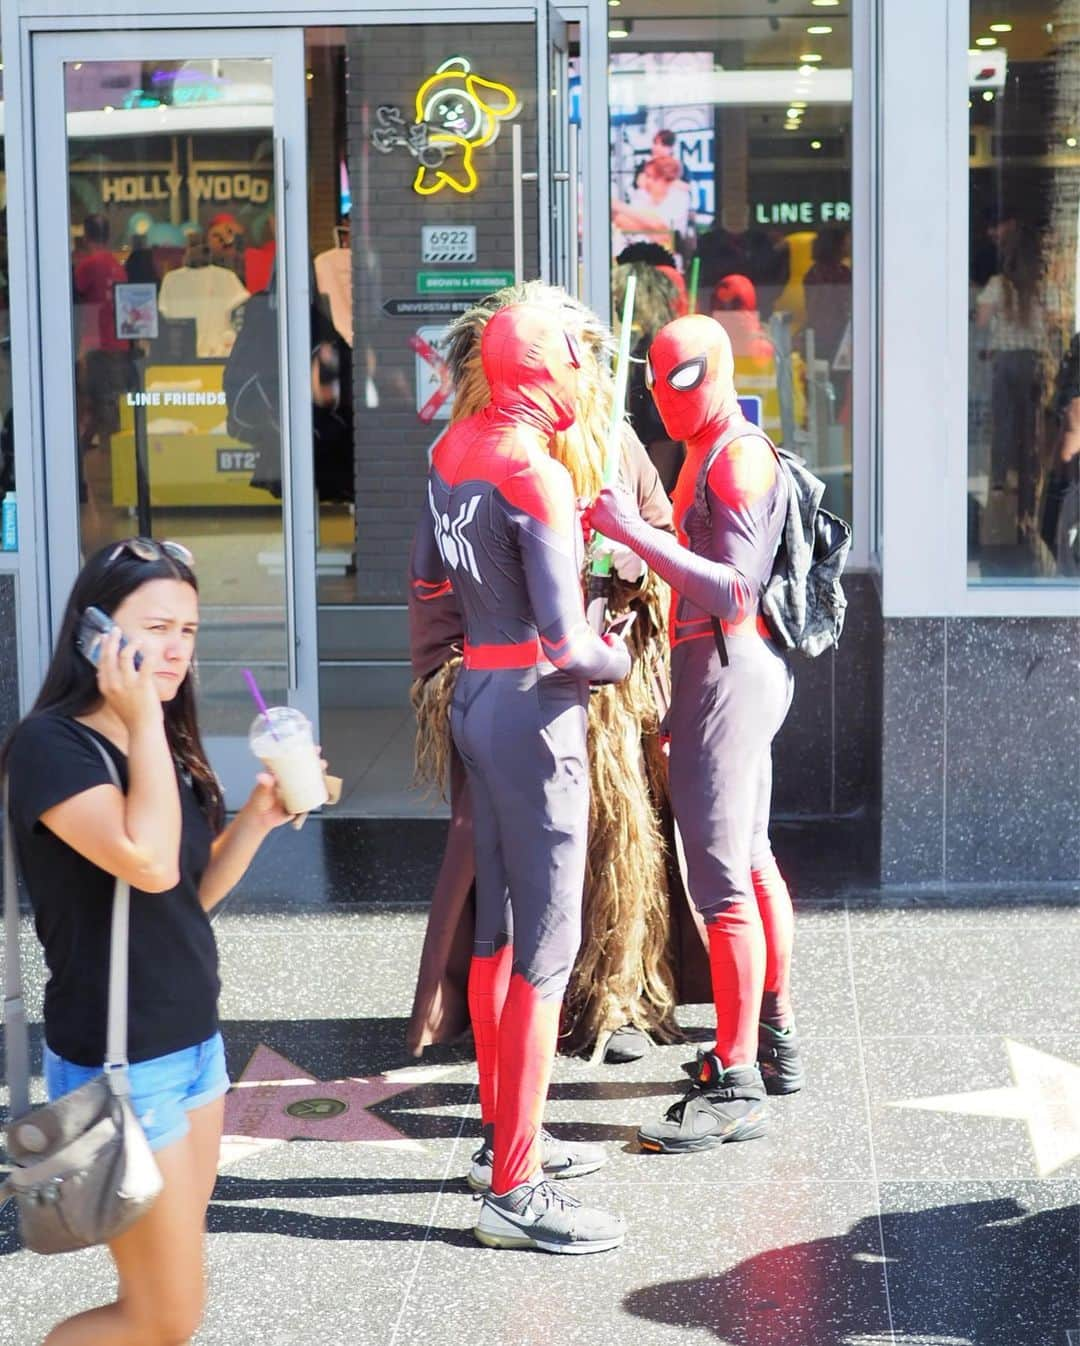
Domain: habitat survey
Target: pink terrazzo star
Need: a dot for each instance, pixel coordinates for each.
(276, 1100)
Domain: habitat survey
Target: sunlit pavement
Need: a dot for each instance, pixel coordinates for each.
(922, 1189)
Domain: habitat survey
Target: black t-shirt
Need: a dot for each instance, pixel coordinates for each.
(173, 987)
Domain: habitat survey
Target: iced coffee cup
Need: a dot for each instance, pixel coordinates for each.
(281, 740)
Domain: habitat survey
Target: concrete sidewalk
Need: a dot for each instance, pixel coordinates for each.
(924, 1188)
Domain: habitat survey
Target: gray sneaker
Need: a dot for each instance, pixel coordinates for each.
(539, 1215)
(558, 1159)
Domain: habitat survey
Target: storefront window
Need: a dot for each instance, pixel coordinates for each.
(731, 191)
(1024, 377)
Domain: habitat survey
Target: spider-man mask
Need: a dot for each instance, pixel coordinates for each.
(690, 371)
(532, 364)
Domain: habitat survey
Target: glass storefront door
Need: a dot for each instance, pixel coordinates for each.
(265, 235)
(172, 230)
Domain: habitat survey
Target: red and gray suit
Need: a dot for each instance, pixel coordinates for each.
(723, 719)
(502, 529)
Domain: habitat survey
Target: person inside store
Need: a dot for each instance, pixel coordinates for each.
(164, 833)
(1011, 311)
(104, 372)
(1059, 521)
(731, 690)
(501, 527)
(642, 951)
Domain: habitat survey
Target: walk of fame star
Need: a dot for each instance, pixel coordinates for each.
(275, 1101)
(1045, 1095)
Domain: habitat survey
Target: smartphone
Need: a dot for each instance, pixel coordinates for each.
(621, 625)
(94, 626)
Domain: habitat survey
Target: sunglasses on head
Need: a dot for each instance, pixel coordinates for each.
(149, 549)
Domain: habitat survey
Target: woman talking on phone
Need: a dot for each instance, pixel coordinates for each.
(130, 691)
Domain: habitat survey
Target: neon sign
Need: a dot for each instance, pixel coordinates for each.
(456, 113)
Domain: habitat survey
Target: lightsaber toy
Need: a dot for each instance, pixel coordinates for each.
(599, 588)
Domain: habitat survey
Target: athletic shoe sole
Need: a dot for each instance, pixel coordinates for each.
(575, 1171)
(781, 1086)
(749, 1128)
(521, 1240)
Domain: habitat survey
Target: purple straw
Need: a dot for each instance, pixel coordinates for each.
(257, 697)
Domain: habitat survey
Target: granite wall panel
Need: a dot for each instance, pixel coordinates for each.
(913, 750)
(981, 751)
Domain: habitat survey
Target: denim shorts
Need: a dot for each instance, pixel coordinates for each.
(163, 1090)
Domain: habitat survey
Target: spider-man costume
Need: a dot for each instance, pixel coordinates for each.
(502, 529)
(723, 718)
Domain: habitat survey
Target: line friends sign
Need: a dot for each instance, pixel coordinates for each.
(456, 113)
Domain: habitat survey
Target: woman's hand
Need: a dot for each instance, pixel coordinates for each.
(129, 692)
(264, 807)
(614, 513)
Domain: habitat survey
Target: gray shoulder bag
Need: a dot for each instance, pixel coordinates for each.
(83, 1171)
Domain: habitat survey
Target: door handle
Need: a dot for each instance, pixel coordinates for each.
(573, 161)
(285, 408)
(518, 178)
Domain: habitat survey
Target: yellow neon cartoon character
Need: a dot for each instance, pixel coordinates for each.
(464, 111)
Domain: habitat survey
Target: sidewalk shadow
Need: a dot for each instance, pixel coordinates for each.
(985, 1273)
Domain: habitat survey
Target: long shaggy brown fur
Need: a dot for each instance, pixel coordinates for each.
(623, 973)
(431, 699)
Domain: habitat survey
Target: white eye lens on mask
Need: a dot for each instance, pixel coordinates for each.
(650, 377)
(689, 375)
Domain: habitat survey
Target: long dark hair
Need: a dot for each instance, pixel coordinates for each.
(70, 687)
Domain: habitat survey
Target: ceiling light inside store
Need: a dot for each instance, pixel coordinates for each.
(618, 28)
(819, 30)
(1071, 142)
(794, 114)
(791, 126)
(986, 41)
(1001, 27)
(808, 70)
(825, 4)
(811, 58)
(988, 95)
(614, 4)
(815, 144)
(796, 103)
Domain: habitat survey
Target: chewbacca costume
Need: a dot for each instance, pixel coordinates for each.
(642, 949)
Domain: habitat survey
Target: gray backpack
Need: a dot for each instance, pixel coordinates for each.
(803, 601)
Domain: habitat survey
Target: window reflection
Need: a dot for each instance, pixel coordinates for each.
(1024, 378)
(731, 196)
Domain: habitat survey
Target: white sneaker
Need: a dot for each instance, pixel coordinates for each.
(558, 1159)
(537, 1215)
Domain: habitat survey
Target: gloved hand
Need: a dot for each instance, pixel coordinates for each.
(629, 566)
(614, 513)
(622, 661)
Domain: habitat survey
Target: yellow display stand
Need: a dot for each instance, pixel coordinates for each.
(192, 459)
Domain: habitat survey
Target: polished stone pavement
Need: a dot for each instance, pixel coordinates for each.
(924, 1188)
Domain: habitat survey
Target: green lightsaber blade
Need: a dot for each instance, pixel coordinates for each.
(600, 564)
(601, 553)
(692, 288)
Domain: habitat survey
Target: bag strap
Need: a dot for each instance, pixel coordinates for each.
(17, 1038)
(701, 491)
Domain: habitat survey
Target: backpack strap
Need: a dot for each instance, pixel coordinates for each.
(741, 430)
